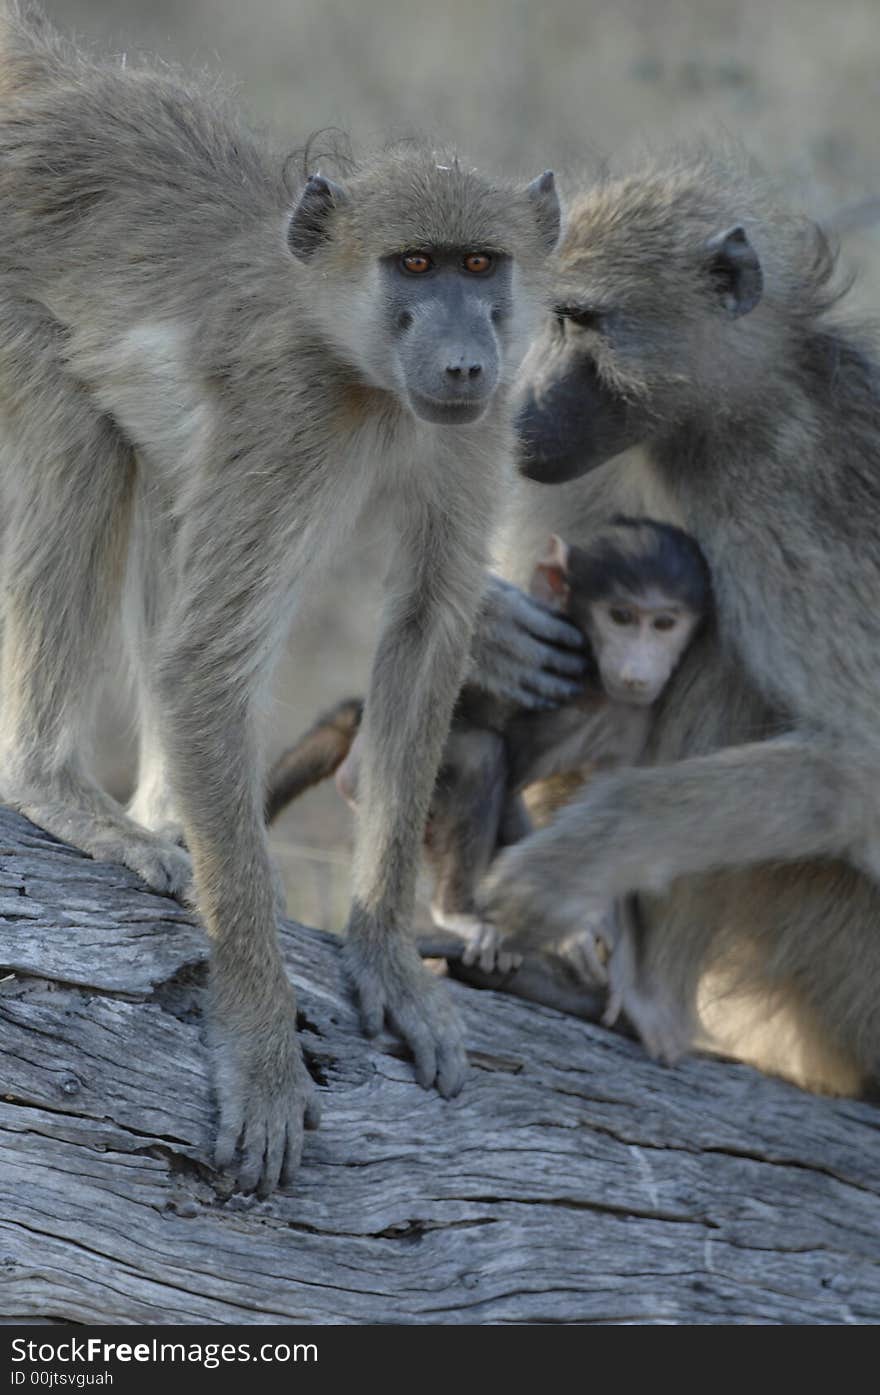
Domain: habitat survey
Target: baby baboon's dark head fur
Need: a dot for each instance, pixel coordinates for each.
(675, 286)
(635, 555)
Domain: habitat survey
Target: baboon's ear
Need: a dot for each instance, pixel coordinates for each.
(736, 270)
(550, 578)
(309, 224)
(545, 201)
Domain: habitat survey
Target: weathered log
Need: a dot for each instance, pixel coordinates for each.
(573, 1180)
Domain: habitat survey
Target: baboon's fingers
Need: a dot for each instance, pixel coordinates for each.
(265, 1096)
(527, 697)
(280, 1140)
(612, 1008)
(452, 1066)
(543, 623)
(566, 661)
(293, 1152)
(583, 952)
(406, 1023)
(253, 1148)
(228, 1134)
(552, 688)
(371, 1007)
(470, 953)
(508, 961)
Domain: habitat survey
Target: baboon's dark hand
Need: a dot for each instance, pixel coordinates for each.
(524, 651)
(265, 1095)
(391, 985)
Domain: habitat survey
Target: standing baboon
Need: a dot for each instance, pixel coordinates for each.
(691, 320)
(204, 388)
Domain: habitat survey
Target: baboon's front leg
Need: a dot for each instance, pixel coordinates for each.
(639, 829)
(214, 656)
(419, 665)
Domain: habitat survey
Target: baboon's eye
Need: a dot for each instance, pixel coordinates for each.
(622, 615)
(478, 263)
(581, 316)
(416, 263)
(664, 622)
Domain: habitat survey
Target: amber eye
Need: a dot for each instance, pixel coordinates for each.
(477, 263)
(416, 263)
(620, 615)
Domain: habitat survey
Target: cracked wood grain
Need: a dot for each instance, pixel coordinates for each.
(573, 1180)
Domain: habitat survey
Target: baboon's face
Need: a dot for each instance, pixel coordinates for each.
(446, 309)
(648, 293)
(638, 640)
(417, 273)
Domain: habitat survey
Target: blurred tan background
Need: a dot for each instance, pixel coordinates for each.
(520, 85)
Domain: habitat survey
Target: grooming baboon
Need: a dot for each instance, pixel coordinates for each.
(203, 387)
(638, 595)
(691, 321)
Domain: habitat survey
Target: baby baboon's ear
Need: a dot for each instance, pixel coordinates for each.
(735, 270)
(550, 578)
(310, 220)
(545, 201)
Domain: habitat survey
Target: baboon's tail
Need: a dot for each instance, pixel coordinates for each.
(315, 756)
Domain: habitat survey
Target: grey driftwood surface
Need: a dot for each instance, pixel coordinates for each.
(573, 1180)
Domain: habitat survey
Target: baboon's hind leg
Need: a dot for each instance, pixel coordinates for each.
(68, 480)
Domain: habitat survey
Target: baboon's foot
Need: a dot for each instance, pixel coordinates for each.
(80, 813)
(485, 947)
(661, 1029)
(391, 985)
(265, 1095)
(664, 1030)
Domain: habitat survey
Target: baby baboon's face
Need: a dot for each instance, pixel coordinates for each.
(638, 642)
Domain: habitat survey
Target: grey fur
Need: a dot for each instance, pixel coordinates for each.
(753, 840)
(186, 403)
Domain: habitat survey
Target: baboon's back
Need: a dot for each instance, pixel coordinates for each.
(111, 158)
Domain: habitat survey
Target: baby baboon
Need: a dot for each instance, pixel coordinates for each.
(203, 388)
(638, 595)
(691, 320)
